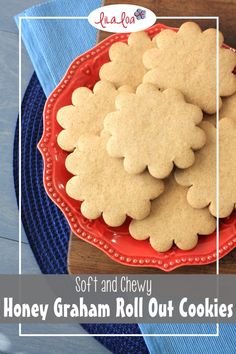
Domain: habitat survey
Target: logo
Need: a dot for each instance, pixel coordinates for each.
(121, 18)
(140, 14)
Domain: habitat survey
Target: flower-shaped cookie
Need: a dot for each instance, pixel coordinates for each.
(154, 129)
(201, 177)
(86, 114)
(173, 220)
(186, 60)
(126, 65)
(103, 185)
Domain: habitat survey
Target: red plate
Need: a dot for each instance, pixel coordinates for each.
(115, 242)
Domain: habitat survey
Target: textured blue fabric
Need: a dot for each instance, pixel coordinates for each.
(46, 228)
(120, 345)
(224, 344)
(53, 44)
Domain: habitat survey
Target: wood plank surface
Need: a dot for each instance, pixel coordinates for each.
(85, 258)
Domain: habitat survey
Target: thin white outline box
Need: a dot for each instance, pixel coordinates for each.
(217, 179)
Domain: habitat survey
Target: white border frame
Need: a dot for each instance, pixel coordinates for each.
(217, 179)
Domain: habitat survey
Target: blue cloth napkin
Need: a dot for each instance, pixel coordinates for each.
(225, 343)
(52, 45)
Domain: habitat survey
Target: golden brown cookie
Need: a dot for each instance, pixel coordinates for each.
(154, 129)
(173, 220)
(186, 60)
(228, 109)
(86, 114)
(103, 185)
(201, 177)
(126, 65)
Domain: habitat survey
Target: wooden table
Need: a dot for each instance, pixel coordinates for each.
(84, 258)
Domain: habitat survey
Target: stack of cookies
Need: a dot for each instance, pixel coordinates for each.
(143, 143)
